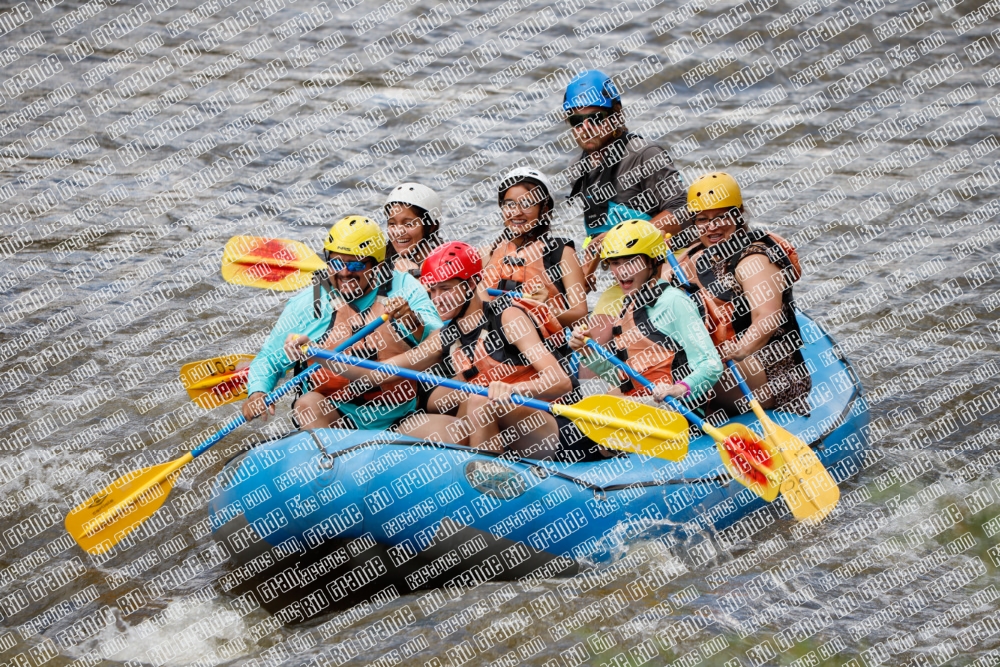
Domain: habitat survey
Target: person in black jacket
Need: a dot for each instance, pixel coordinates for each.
(619, 175)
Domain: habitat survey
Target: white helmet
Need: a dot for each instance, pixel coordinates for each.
(418, 195)
(521, 175)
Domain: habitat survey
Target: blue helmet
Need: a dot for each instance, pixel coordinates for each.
(592, 88)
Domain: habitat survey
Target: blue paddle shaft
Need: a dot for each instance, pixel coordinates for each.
(739, 379)
(676, 267)
(275, 395)
(422, 377)
(628, 370)
(500, 292)
(239, 420)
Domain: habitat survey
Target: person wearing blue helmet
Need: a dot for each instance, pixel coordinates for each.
(619, 175)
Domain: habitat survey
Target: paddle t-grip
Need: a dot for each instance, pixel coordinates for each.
(499, 292)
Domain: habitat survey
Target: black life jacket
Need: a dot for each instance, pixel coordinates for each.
(728, 315)
(597, 192)
(484, 354)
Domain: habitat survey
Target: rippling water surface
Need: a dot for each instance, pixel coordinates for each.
(111, 282)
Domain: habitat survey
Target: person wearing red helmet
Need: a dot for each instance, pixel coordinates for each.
(498, 346)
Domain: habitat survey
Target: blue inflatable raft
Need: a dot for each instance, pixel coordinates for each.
(326, 519)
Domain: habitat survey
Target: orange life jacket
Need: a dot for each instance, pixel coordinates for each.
(538, 262)
(727, 315)
(650, 352)
(485, 355)
(385, 342)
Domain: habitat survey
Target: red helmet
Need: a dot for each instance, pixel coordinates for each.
(451, 260)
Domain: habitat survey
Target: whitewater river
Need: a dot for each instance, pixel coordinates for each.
(864, 131)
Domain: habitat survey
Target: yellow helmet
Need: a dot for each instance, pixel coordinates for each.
(715, 190)
(634, 237)
(357, 235)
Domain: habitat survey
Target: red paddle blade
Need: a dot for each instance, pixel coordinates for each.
(271, 249)
(751, 461)
(217, 381)
(277, 264)
(740, 453)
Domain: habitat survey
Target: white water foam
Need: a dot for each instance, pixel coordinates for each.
(186, 632)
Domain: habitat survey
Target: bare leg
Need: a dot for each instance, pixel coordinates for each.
(437, 428)
(540, 442)
(755, 376)
(313, 410)
(481, 418)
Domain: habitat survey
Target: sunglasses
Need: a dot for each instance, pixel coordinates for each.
(596, 118)
(339, 265)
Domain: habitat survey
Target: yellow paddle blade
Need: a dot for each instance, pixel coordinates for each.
(106, 517)
(278, 264)
(750, 461)
(619, 423)
(218, 381)
(808, 487)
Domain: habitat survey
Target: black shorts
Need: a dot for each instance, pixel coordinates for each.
(423, 395)
(574, 446)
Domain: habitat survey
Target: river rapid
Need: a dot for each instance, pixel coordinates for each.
(137, 138)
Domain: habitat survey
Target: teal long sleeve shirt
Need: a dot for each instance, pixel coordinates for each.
(675, 315)
(272, 363)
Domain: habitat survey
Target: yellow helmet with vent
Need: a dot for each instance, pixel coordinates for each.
(634, 237)
(715, 190)
(357, 235)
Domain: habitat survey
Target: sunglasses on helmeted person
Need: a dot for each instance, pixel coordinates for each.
(596, 118)
(339, 265)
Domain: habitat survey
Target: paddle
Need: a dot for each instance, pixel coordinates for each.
(118, 509)
(105, 518)
(277, 264)
(613, 422)
(499, 292)
(809, 489)
(740, 449)
(217, 381)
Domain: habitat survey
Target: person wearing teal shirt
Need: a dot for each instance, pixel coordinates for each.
(358, 288)
(655, 328)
